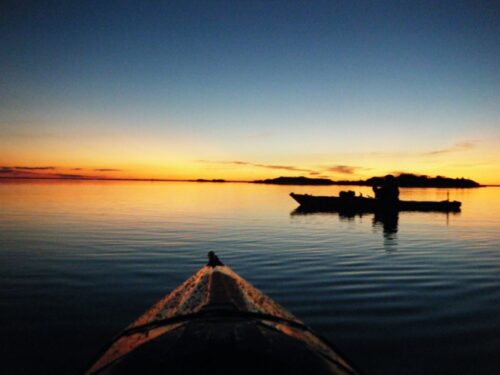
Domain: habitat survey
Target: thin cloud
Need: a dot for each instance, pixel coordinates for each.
(49, 171)
(457, 147)
(267, 166)
(26, 171)
(345, 169)
(70, 175)
(24, 168)
(97, 169)
(283, 167)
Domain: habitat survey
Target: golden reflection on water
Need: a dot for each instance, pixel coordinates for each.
(75, 253)
(120, 199)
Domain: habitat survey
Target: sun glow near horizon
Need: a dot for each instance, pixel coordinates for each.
(479, 165)
(244, 91)
(140, 153)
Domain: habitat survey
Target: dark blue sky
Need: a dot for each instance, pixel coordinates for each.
(426, 71)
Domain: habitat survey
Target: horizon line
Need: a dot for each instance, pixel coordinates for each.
(214, 180)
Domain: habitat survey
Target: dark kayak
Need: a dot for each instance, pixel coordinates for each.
(218, 323)
(358, 204)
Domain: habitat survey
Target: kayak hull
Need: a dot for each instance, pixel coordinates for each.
(216, 322)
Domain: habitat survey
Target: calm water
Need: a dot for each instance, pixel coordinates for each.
(81, 260)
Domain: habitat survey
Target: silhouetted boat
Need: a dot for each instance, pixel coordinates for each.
(217, 323)
(351, 203)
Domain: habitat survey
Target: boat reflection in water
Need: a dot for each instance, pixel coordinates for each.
(388, 220)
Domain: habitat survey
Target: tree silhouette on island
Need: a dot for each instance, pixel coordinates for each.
(403, 180)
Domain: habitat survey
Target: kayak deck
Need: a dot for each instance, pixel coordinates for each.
(218, 322)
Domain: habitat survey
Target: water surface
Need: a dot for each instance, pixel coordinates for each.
(80, 260)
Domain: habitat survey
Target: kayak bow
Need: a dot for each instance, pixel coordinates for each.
(216, 322)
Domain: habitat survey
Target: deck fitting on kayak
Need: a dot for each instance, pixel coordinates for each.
(213, 260)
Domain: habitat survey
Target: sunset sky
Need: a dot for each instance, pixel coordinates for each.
(250, 89)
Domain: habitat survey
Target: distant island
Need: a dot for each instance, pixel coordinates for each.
(296, 181)
(213, 180)
(403, 180)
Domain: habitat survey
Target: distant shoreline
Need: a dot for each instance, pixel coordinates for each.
(264, 182)
(120, 179)
(403, 180)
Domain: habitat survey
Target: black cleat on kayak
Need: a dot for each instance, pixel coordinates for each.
(213, 260)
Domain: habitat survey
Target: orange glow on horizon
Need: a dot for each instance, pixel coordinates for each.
(150, 159)
(197, 170)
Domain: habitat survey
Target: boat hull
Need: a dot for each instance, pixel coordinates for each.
(216, 322)
(364, 204)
